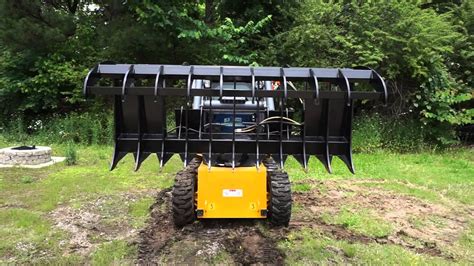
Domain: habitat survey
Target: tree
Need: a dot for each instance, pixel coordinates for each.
(411, 46)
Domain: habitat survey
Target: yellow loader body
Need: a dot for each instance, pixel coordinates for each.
(223, 192)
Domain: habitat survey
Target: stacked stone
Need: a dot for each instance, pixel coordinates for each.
(25, 157)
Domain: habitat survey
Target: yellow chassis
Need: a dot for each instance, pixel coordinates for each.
(223, 192)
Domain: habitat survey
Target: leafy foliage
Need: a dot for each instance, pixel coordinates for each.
(413, 48)
(423, 48)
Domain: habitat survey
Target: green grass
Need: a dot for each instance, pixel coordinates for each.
(116, 252)
(27, 197)
(25, 234)
(31, 194)
(301, 187)
(467, 239)
(307, 246)
(448, 173)
(59, 184)
(360, 221)
(139, 210)
(464, 247)
(421, 193)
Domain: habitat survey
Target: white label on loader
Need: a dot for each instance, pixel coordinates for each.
(232, 193)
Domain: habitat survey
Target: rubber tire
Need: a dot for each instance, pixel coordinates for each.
(184, 210)
(280, 196)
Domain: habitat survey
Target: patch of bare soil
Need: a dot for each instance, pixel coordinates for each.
(419, 226)
(102, 220)
(207, 241)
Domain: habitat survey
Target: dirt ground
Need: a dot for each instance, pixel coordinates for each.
(254, 242)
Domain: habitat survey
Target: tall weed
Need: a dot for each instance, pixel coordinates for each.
(375, 132)
(80, 128)
(71, 154)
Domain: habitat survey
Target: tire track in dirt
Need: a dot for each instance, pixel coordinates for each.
(200, 242)
(255, 242)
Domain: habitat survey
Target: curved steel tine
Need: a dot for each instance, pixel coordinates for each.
(285, 86)
(162, 153)
(221, 81)
(345, 81)
(157, 80)
(233, 128)
(190, 83)
(257, 161)
(253, 84)
(280, 140)
(210, 133)
(93, 71)
(305, 161)
(380, 79)
(125, 81)
(384, 87)
(186, 114)
(316, 86)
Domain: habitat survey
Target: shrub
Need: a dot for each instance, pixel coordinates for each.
(367, 135)
(84, 128)
(71, 154)
(374, 132)
(404, 135)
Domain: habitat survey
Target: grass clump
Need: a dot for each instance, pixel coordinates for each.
(86, 128)
(140, 211)
(310, 246)
(301, 187)
(372, 133)
(116, 252)
(26, 179)
(25, 233)
(360, 221)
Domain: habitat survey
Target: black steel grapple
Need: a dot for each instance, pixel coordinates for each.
(141, 94)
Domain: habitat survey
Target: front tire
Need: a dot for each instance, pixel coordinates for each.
(279, 188)
(183, 194)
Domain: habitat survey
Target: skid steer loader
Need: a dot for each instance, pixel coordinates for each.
(235, 129)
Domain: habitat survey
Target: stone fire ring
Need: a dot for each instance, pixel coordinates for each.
(38, 157)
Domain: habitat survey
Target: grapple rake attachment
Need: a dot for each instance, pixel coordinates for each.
(233, 112)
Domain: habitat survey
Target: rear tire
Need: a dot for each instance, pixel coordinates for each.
(279, 188)
(183, 194)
